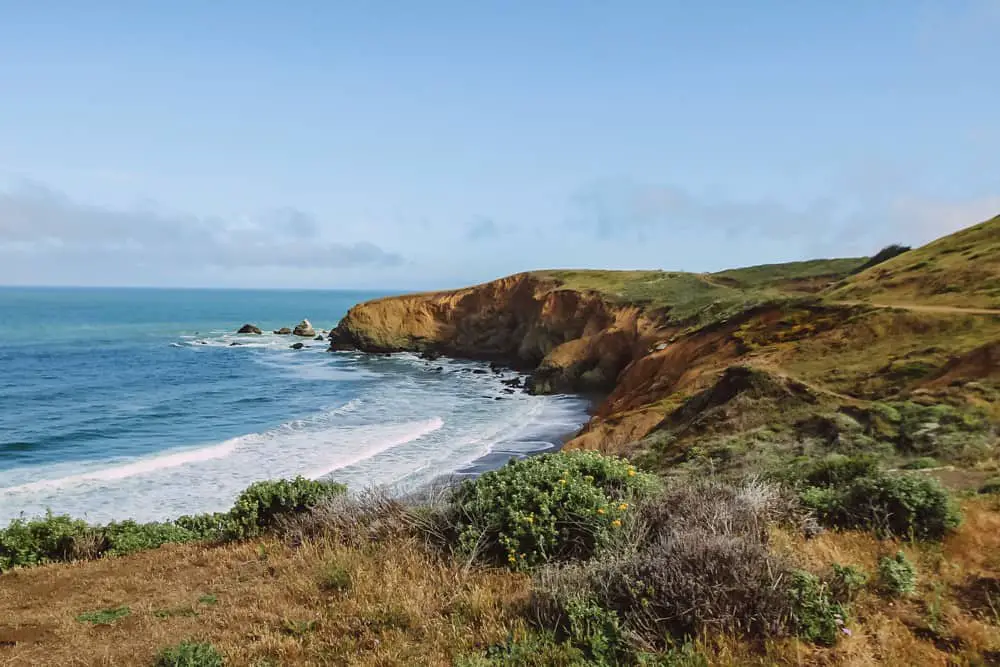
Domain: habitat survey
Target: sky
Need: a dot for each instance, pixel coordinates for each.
(431, 144)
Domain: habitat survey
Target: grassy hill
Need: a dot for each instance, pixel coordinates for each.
(961, 270)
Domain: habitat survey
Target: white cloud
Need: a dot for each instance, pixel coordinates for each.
(40, 226)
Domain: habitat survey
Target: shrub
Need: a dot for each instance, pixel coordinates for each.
(594, 629)
(847, 581)
(897, 575)
(815, 616)
(545, 508)
(36, 541)
(698, 558)
(213, 526)
(60, 538)
(190, 654)
(883, 255)
(127, 537)
(910, 506)
(847, 492)
(261, 504)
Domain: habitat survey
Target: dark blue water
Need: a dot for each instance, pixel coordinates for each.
(120, 403)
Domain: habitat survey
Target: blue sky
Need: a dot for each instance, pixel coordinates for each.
(434, 144)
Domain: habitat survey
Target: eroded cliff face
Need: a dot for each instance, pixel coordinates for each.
(571, 340)
(574, 340)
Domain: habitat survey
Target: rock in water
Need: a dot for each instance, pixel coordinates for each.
(249, 329)
(283, 331)
(304, 328)
(318, 338)
(297, 346)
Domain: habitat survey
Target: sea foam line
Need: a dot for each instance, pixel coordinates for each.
(140, 467)
(415, 431)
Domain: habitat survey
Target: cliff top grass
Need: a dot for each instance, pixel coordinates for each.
(960, 270)
(701, 298)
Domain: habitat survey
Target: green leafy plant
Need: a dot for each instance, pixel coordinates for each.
(190, 654)
(36, 541)
(104, 616)
(594, 629)
(545, 508)
(262, 503)
(851, 492)
(26, 542)
(847, 581)
(127, 537)
(897, 575)
(815, 616)
(335, 578)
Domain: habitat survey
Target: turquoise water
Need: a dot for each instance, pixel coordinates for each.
(118, 403)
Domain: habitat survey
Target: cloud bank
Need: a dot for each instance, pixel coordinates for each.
(41, 227)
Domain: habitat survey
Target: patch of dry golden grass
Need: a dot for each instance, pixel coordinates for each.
(402, 607)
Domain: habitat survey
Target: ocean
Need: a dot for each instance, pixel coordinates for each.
(135, 403)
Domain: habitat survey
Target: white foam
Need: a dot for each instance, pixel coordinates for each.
(407, 433)
(140, 467)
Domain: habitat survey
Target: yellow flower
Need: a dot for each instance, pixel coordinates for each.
(511, 558)
(529, 519)
(623, 507)
(616, 523)
(600, 510)
(631, 472)
(562, 481)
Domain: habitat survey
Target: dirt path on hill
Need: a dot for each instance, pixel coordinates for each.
(923, 308)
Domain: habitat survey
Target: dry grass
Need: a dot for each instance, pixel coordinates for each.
(403, 607)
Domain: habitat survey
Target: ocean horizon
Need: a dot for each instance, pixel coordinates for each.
(143, 403)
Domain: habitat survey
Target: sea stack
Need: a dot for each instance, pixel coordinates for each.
(249, 329)
(305, 329)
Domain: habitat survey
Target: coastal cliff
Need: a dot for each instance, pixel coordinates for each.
(571, 340)
(656, 343)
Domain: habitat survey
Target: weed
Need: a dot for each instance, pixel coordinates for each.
(847, 581)
(335, 578)
(897, 575)
(190, 654)
(104, 616)
(816, 617)
(208, 599)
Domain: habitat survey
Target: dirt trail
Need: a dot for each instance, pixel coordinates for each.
(923, 308)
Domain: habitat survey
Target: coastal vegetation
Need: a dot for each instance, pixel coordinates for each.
(791, 464)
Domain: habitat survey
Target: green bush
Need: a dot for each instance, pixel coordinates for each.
(127, 537)
(815, 616)
(190, 654)
(26, 542)
(594, 629)
(545, 508)
(847, 581)
(910, 506)
(851, 492)
(262, 503)
(36, 541)
(897, 575)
